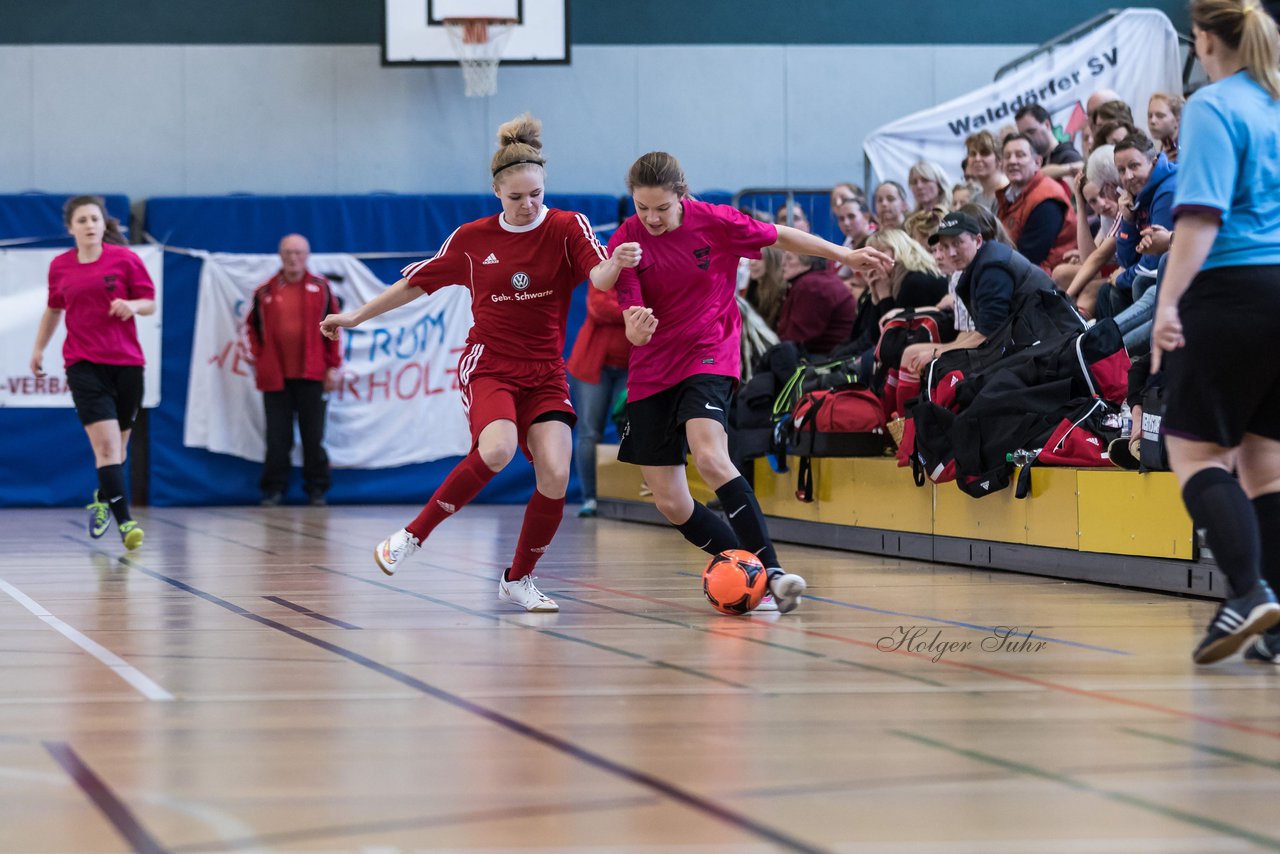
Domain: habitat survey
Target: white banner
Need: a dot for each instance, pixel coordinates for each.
(1135, 53)
(398, 402)
(24, 294)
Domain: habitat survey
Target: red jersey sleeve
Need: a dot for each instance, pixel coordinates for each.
(628, 286)
(581, 244)
(450, 266)
(602, 307)
(140, 285)
(743, 235)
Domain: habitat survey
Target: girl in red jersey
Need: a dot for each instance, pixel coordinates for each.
(521, 266)
(682, 317)
(100, 286)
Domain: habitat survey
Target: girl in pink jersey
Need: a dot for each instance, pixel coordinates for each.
(682, 317)
(521, 266)
(100, 286)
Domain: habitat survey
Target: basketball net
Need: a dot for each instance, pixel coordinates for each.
(478, 44)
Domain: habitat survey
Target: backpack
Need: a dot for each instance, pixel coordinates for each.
(808, 377)
(917, 326)
(1153, 455)
(845, 422)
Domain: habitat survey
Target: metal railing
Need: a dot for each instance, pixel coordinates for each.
(1084, 29)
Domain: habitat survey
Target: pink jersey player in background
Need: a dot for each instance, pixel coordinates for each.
(521, 266)
(681, 315)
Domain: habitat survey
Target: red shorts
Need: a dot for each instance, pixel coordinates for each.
(496, 389)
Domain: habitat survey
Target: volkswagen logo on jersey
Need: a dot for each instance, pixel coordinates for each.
(520, 281)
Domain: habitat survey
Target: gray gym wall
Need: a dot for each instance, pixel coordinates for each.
(292, 98)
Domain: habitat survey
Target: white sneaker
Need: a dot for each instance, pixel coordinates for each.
(766, 604)
(525, 594)
(394, 550)
(786, 588)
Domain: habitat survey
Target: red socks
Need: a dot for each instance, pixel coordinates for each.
(541, 521)
(461, 486)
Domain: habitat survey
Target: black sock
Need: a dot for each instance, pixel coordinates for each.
(708, 531)
(111, 491)
(1219, 507)
(740, 505)
(1267, 510)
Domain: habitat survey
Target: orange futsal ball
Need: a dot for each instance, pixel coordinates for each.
(734, 581)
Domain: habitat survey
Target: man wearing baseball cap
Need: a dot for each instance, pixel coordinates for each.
(993, 274)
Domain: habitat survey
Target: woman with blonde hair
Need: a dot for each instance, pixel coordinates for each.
(521, 266)
(1216, 316)
(929, 185)
(983, 155)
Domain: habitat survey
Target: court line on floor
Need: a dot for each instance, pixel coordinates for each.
(305, 611)
(498, 618)
(961, 624)
(140, 682)
(708, 808)
(780, 625)
(155, 518)
(1201, 821)
(112, 808)
(1220, 752)
(991, 671)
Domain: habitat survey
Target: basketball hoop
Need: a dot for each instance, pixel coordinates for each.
(478, 44)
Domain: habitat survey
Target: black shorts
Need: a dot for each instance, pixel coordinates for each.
(654, 435)
(1226, 381)
(106, 392)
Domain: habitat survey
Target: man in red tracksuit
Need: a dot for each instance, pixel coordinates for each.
(295, 367)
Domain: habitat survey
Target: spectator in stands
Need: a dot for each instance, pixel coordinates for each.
(294, 368)
(984, 167)
(855, 224)
(1148, 182)
(1111, 111)
(795, 217)
(819, 310)
(1110, 133)
(767, 286)
(891, 206)
(923, 223)
(963, 194)
(597, 370)
(1216, 321)
(1098, 98)
(1163, 114)
(1035, 209)
(915, 281)
(1060, 158)
(845, 191)
(929, 185)
(1097, 189)
(994, 275)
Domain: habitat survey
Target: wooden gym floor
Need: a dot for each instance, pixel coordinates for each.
(248, 681)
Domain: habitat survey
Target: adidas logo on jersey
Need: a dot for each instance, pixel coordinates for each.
(492, 259)
(446, 506)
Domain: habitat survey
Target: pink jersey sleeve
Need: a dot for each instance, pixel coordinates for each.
(56, 299)
(628, 286)
(450, 266)
(743, 235)
(140, 285)
(584, 248)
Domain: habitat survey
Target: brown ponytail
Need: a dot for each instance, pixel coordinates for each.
(519, 144)
(658, 169)
(111, 233)
(1244, 26)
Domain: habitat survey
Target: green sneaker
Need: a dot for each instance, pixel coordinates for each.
(131, 534)
(99, 516)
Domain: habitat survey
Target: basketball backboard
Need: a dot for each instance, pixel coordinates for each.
(414, 31)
